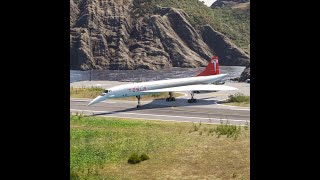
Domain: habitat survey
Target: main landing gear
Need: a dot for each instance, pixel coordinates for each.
(138, 97)
(170, 98)
(192, 100)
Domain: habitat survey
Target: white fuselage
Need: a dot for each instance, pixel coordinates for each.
(136, 89)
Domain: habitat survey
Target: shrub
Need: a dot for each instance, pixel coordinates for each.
(229, 130)
(239, 97)
(144, 157)
(134, 159)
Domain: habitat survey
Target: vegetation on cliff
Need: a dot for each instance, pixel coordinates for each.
(232, 22)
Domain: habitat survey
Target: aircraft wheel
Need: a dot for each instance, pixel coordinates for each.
(138, 106)
(194, 100)
(189, 100)
(173, 99)
(167, 99)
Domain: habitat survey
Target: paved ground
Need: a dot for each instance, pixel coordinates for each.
(205, 110)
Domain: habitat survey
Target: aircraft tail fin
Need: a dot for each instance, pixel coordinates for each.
(212, 68)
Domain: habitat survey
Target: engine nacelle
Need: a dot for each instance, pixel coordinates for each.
(219, 82)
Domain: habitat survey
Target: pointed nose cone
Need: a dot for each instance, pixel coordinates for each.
(223, 75)
(97, 99)
(92, 102)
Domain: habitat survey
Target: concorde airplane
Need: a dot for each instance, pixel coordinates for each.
(209, 80)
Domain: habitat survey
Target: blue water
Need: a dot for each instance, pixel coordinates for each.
(147, 75)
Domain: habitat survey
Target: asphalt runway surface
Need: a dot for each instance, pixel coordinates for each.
(204, 110)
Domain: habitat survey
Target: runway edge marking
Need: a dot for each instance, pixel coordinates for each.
(222, 119)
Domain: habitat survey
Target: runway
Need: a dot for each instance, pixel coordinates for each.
(204, 111)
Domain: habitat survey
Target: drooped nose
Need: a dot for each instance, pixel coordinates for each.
(97, 99)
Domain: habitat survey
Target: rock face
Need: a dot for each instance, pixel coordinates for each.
(228, 53)
(245, 74)
(74, 11)
(107, 35)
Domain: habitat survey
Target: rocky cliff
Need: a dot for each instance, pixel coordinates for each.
(223, 47)
(241, 10)
(245, 74)
(111, 35)
(74, 11)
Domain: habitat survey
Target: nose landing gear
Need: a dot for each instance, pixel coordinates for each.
(138, 98)
(170, 98)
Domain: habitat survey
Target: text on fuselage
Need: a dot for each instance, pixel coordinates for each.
(138, 89)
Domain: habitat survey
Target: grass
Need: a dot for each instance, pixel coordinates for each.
(93, 92)
(100, 148)
(232, 131)
(238, 99)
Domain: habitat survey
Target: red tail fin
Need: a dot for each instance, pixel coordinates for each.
(212, 68)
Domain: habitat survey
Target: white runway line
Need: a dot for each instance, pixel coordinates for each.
(233, 107)
(112, 102)
(83, 100)
(218, 119)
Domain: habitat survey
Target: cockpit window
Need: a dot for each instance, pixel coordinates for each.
(104, 92)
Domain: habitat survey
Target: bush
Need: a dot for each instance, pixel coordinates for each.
(134, 159)
(239, 97)
(144, 157)
(229, 130)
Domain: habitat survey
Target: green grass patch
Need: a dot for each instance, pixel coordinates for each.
(90, 92)
(238, 99)
(100, 148)
(231, 131)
